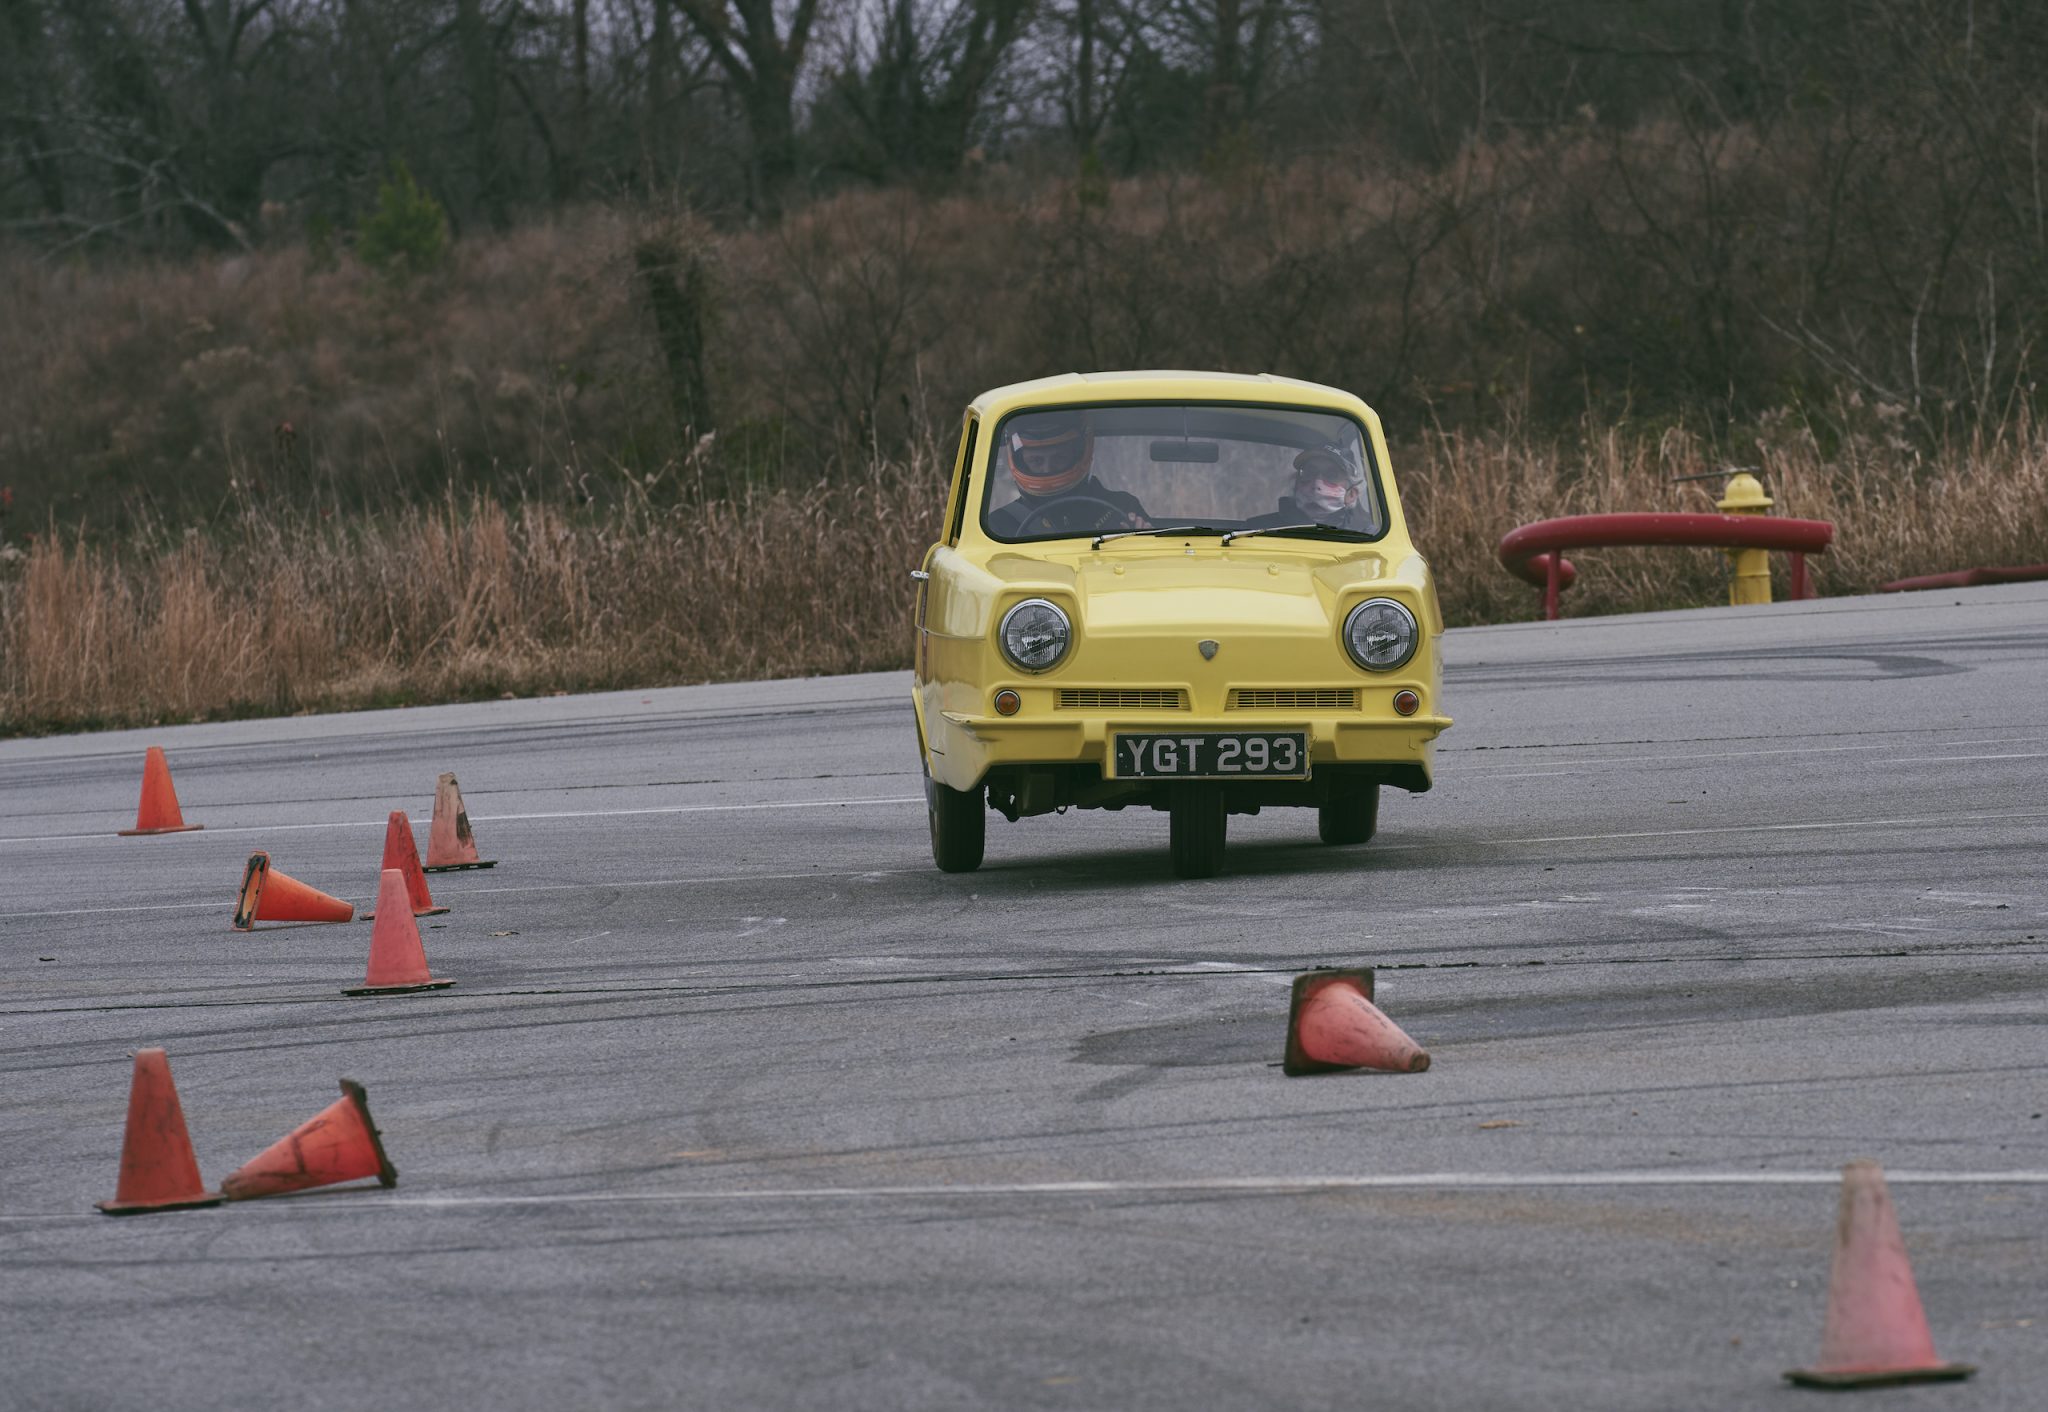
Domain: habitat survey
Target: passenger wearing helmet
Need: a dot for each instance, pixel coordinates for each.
(1328, 488)
(1049, 457)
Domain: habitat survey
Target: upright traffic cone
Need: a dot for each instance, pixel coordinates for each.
(450, 845)
(1876, 1332)
(158, 1171)
(1333, 1024)
(337, 1144)
(158, 811)
(402, 853)
(398, 959)
(269, 896)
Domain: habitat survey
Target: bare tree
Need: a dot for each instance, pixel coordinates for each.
(26, 112)
(762, 62)
(921, 82)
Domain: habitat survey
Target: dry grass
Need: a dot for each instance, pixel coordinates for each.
(1896, 511)
(281, 610)
(465, 599)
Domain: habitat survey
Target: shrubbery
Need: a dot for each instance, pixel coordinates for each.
(407, 233)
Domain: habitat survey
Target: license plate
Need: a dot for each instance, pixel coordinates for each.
(1212, 755)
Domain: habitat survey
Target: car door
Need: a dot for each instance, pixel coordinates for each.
(932, 589)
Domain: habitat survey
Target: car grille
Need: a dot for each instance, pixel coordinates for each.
(1128, 698)
(1293, 698)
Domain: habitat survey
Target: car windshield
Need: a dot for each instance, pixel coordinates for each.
(1215, 468)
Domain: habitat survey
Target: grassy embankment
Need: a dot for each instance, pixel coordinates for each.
(286, 485)
(279, 612)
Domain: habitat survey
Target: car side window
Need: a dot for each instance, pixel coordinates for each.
(961, 469)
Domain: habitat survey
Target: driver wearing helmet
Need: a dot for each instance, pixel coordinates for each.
(1049, 456)
(1328, 488)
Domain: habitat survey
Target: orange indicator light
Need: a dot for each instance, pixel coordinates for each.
(1007, 703)
(1406, 703)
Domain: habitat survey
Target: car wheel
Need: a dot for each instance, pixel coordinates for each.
(959, 826)
(1350, 817)
(1199, 823)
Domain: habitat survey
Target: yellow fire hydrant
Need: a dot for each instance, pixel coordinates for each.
(1751, 582)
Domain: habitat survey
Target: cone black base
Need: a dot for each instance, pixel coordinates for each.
(1839, 1382)
(136, 1208)
(395, 989)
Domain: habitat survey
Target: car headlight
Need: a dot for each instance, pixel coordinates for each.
(1380, 635)
(1035, 634)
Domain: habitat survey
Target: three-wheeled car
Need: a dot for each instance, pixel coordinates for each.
(1191, 592)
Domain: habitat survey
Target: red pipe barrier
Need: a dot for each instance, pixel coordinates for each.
(1535, 552)
(1968, 578)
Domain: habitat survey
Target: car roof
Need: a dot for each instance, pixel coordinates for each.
(1166, 385)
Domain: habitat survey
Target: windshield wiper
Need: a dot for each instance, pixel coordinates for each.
(1157, 530)
(1309, 530)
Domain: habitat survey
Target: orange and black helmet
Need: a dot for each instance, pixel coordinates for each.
(1050, 452)
(1327, 479)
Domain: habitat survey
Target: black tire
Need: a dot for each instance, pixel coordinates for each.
(959, 827)
(1199, 824)
(1350, 817)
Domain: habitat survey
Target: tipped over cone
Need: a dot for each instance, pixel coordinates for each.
(269, 896)
(398, 959)
(402, 854)
(450, 844)
(1333, 1024)
(337, 1144)
(1876, 1332)
(158, 1170)
(158, 811)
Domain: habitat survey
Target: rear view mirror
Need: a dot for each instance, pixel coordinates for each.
(1196, 452)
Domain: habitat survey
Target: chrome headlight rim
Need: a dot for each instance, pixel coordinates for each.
(1066, 635)
(1407, 615)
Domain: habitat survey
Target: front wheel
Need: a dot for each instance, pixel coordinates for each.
(959, 826)
(1198, 824)
(1350, 817)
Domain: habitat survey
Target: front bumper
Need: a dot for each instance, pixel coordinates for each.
(977, 744)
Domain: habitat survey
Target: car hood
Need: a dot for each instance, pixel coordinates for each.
(1127, 591)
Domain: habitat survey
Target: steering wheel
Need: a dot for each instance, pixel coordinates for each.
(1071, 515)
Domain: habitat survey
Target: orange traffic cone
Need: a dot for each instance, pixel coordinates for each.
(158, 1171)
(158, 812)
(270, 896)
(1333, 1024)
(337, 1144)
(402, 853)
(398, 959)
(450, 845)
(1876, 1332)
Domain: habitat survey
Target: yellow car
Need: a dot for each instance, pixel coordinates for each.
(1191, 592)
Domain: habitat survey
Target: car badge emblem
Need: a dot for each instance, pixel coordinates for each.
(1208, 649)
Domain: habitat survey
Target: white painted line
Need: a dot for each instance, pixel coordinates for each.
(1820, 826)
(600, 884)
(1487, 768)
(1192, 1186)
(596, 885)
(491, 818)
(589, 886)
(1421, 1181)
(700, 809)
(1957, 759)
(144, 907)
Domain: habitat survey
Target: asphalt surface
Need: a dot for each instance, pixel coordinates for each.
(739, 1103)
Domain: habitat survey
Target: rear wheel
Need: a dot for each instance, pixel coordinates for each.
(1199, 823)
(959, 826)
(1350, 817)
